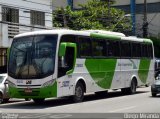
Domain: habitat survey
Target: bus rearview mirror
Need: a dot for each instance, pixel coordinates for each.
(62, 49)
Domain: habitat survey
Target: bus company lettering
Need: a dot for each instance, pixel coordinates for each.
(124, 64)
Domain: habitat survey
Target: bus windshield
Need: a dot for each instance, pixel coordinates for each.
(32, 56)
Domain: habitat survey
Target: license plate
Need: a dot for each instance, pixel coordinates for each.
(28, 90)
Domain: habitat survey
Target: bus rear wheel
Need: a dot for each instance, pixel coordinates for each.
(79, 93)
(131, 89)
(39, 100)
(154, 94)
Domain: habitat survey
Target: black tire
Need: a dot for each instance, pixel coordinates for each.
(131, 89)
(39, 100)
(154, 94)
(1, 98)
(79, 93)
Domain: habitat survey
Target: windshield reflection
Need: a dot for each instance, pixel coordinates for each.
(32, 56)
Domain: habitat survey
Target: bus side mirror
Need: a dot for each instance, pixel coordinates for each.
(64, 55)
(62, 49)
(61, 54)
(6, 82)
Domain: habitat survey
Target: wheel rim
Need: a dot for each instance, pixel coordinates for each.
(79, 92)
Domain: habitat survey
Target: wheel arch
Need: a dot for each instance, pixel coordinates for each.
(81, 80)
(134, 77)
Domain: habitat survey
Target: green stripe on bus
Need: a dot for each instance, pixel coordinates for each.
(102, 71)
(46, 92)
(104, 36)
(148, 41)
(144, 69)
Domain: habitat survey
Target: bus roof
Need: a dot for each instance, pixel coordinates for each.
(55, 31)
(92, 33)
(106, 32)
(133, 38)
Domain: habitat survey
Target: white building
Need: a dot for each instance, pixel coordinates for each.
(18, 16)
(23, 15)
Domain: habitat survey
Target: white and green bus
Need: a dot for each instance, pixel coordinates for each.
(58, 63)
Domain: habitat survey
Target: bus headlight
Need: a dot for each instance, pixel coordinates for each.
(49, 83)
(11, 84)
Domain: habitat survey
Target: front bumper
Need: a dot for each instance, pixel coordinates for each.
(46, 92)
(155, 88)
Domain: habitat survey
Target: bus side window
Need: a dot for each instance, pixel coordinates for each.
(68, 58)
(98, 48)
(85, 47)
(125, 49)
(113, 48)
(136, 50)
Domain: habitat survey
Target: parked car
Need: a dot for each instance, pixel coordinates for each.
(155, 88)
(4, 96)
(157, 67)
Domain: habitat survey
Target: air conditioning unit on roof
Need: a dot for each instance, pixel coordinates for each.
(106, 32)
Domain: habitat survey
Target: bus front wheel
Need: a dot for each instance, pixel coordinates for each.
(79, 93)
(1, 98)
(39, 100)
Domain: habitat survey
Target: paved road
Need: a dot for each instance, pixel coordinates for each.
(114, 102)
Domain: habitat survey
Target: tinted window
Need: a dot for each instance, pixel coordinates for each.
(136, 50)
(72, 39)
(32, 56)
(144, 50)
(113, 49)
(99, 47)
(125, 49)
(150, 51)
(68, 38)
(85, 47)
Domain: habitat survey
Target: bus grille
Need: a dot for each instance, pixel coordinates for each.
(34, 93)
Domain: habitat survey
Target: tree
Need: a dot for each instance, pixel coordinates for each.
(93, 15)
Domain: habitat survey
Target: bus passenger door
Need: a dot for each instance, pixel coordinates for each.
(67, 63)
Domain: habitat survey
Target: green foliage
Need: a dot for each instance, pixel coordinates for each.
(93, 15)
(156, 43)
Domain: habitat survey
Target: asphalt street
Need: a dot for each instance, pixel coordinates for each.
(113, 102)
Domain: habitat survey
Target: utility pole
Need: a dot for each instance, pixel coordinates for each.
(64, 18)
(145, 22)
(133, 11)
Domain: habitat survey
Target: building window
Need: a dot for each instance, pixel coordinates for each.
(37, 18)
(10, 15)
